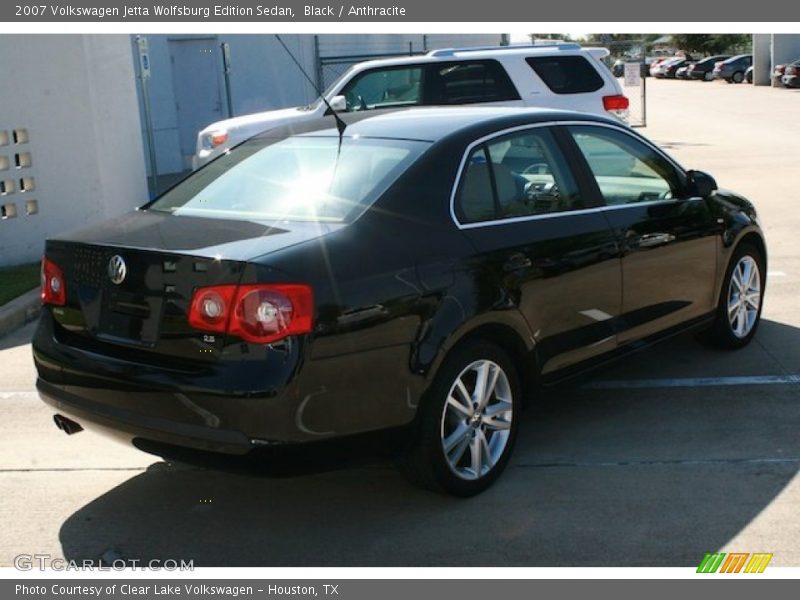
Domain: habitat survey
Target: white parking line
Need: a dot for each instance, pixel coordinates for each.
(18, 394)
(792, 379)
(776, 274)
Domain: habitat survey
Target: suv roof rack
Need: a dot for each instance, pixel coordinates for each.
(554, 45)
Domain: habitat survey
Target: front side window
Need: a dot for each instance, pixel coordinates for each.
(470, 82)
(302, 178)
(522, 174)
(626, 170)
(571, 74)
(384, 88)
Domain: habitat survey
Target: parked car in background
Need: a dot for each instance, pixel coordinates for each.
(426, 268)
(618, 68)
(555, 75)
(659, 71)
(703, 69)
(671, 70)
(683, 72)
(748, 75)
(732, 70)
(779, 71)
(791, 76)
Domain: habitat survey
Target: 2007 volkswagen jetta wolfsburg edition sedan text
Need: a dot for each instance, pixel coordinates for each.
(430, 268)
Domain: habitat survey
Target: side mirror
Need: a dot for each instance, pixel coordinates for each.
(338, 103)
(701, 184)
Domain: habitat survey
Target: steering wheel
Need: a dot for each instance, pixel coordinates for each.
(534, 190)
(539, 168)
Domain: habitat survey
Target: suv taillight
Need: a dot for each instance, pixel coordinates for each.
(615, 102)
(54, 289)
(258, 313)
(617, 106)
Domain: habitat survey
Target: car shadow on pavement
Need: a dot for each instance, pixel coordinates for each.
(603, 477)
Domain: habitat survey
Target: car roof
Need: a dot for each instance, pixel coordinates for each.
(431, 124)
(484, 52)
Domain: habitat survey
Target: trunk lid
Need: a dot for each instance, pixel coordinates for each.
(130, 281)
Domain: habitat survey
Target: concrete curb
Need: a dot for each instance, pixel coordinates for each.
(19, 311)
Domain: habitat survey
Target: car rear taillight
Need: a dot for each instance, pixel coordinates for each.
(258, 313)
(779, 69)
(790, 70)
(617, 105)
(54, 289)
(212, 307)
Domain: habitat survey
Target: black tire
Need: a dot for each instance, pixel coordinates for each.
(424, 463)
(721, 334)
(737, 77)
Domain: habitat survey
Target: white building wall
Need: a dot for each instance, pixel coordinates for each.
(75, 96)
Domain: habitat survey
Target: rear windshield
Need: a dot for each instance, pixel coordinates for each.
(299, 178)
(567, 74)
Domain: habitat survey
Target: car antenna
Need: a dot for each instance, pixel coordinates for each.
(340, 125)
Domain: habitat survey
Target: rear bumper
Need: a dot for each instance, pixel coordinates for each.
(267, 396)
(128, 426)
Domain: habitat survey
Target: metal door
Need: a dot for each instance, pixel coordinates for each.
(196, 84)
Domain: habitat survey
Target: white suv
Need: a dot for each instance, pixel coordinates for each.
(564, 76)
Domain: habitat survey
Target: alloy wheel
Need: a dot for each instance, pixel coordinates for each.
(476, 420)
(744, 296)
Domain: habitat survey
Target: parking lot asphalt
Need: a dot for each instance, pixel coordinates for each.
(655, 461)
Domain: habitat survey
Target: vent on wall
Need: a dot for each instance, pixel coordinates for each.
(26, 184)
(23, 160)
(20, 136)
(8, 210)
(20, 159)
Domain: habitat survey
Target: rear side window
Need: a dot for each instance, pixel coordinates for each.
(566, 74)
(470, 82)
(517, 175)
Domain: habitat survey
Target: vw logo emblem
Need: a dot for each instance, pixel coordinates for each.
(117, 270)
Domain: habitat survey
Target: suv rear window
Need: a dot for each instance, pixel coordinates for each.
(468, 82)
(566, 74)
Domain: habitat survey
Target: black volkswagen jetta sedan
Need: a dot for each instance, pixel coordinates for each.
(429, 268)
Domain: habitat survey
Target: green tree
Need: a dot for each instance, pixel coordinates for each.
(550, 36)
(705, 43)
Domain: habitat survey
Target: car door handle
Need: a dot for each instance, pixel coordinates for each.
(651, 240)
(517, 262)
